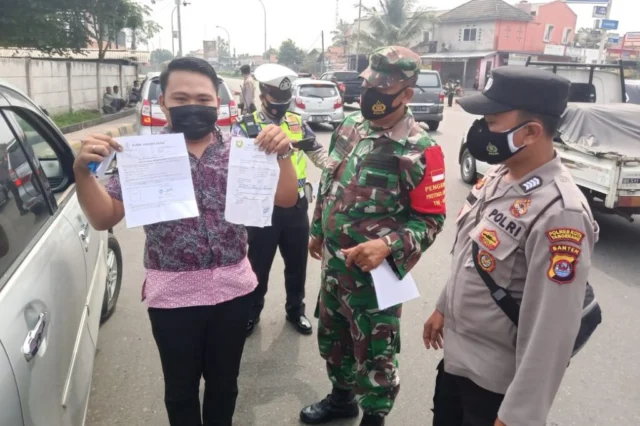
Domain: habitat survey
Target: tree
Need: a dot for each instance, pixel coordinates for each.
(290, 54)
(142, 29)
(395, 22)
(159, 56)
(51, 26)
(587, 38)
(223, 47)
(269, 52)
(342, 36)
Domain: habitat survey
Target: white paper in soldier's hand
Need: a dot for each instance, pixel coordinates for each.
(251, 184)
(155, 176)
(391, 291)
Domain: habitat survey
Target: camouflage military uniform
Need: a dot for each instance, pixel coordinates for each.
(385, 184)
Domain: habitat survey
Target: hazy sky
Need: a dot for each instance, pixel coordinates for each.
(301, 20)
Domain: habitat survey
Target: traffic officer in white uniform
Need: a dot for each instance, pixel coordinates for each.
(513, 305)
(289, 228)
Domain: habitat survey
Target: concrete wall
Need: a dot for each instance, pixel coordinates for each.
(453, 36)
(63, 86)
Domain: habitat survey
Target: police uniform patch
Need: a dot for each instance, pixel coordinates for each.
(489, 239)
(293, 124)
(564, 260)
(285, 84)
(533, 183)
(486, 261)
(520, 207)
(492, 149)
(565, 234)
(429, 196)
(480, 183)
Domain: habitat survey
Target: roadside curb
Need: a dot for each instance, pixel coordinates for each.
(102, 120)
(126, 130)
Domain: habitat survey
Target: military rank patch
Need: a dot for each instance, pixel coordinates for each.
(564, 259)
(294, 125)
(480, 183)
(486, 261)
(520, 207)
(565, 234)
(489, 239)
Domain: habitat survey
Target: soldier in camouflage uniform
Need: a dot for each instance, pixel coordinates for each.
(381, 198)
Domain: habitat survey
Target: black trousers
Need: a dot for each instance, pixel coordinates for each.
(460, 402)
(289, 231)
(450, 98)
(203, 341)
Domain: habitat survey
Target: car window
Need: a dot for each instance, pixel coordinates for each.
(321, 91)
(346, 76)
(582, 92)
(633, 93)
(154, 91)
(23, 208)
(223, 94)
(46, 159)
(428, 80)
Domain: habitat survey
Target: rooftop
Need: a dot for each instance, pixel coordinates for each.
(485, 10)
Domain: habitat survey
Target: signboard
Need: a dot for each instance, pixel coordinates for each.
(614, 40)
(210, 50)
(632, 41)
(574, 52)
(599, 11)
(554, 50)
(609, 24)
(519, 59)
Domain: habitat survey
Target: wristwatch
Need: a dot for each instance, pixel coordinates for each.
(286, 155)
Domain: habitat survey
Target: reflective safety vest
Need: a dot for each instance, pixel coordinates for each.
(293, 127)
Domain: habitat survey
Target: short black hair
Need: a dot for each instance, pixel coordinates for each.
(191, 64)
(549, 123)
(245, 69)
(115, 86)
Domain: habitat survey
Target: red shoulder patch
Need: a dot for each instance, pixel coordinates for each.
(429, 196)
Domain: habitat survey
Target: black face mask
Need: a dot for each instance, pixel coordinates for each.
(492, 147)
(276, 110)
(376, 105)
(195, 121)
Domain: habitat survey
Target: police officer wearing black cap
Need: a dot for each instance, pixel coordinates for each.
(510, 312)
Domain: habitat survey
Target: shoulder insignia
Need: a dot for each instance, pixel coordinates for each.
(486, 261)
(520, 207)
(563, 264)
(480, 183)
(571, 196)
(489, 239)
(532, 184)
(429, 196)
(565, 234)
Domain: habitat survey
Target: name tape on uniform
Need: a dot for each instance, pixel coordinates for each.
(512, 227)
(565, 234)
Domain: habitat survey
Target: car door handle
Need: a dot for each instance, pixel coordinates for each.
(84, 233)
(35, 337)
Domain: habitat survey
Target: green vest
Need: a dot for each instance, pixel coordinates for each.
(293, 127)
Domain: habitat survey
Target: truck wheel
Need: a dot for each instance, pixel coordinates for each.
(114, 278)
(433, 125)
(468, 170)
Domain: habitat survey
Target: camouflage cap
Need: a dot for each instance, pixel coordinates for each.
(390, 65)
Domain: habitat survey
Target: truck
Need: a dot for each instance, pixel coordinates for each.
(349, 82)
(598, 138)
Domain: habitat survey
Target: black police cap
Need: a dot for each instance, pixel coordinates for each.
(520, 88)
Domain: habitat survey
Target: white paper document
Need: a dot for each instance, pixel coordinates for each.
(391, 291)
(251, 184)
(155, 176)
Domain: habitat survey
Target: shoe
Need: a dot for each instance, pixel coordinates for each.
(340, 404)
(301, 323)
(372, 420)
(251, 325)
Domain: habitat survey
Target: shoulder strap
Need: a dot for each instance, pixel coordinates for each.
(502, 297)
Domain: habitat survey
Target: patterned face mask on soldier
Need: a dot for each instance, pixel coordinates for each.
(376, 105)
(492, 147)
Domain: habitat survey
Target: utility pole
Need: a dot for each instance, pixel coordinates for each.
(179, 29)
(173, 34)
(602, 57)
(358, 35)
(264, 9)
(322, 55)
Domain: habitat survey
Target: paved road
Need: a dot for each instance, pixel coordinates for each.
(282, 370)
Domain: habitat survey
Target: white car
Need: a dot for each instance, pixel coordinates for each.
(317, 101)
(150, 119)
(59, 277)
